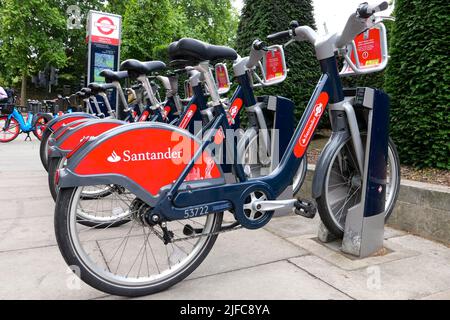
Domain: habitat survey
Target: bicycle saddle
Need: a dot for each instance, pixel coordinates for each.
(87, 92)
(196, 50)
(136, 67)
(111, 76)
(97, 87)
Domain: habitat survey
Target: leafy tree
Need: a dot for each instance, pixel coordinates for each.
(213, 21)
(147, 25)
(116, 7)
(74, 40)
(31, 32)
(263, 17)
(418, 81)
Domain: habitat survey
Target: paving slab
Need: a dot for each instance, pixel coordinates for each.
(25, 233)
(245, 248)
(410, 278)
(331, 252)
(278, 280)
(27, 208)
(40, 274)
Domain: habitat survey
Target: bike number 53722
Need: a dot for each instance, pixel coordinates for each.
(196, 212)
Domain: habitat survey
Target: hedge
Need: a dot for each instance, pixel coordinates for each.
(263, 17)
(418, 82)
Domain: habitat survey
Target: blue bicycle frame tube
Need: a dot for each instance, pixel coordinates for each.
(24, 126)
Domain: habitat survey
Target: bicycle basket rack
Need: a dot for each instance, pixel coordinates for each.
(273, 67)
(222, 78)
(6, 108)
(371, 52)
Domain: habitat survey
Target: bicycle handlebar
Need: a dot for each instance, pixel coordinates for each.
(256, 53)
(365, 10)
(280, 35)
(356, 24)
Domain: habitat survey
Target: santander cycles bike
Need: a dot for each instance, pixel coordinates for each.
(12, 123)
(68, 137)
(176, 193)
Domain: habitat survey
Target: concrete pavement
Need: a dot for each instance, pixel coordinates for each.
(282, 261)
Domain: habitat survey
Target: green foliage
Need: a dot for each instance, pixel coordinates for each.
(211, 21)
(263, 17)
(418, 81)
(32, 32)
(147, 24)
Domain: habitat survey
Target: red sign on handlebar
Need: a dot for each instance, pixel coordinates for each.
(274, 64)
(368, 48)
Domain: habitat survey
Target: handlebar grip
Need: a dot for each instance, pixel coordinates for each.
(259, 45)
(279, 35)
(365, 10)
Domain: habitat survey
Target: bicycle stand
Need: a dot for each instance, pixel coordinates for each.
(364, 225)
(28, 136)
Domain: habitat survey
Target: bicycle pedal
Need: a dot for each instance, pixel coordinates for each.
(188, 230)
(305, 208)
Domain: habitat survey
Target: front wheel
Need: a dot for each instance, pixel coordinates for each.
(11, 132)
(343, 187)
(133, 259)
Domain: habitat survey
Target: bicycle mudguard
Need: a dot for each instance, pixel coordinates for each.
(320, 173)
(41, 114)
(74, 135)
(146, 158)
(56, 123)
(58, 134)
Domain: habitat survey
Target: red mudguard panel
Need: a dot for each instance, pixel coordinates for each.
(65, 121)
(151, 157)
(89, 131)
(71, 125)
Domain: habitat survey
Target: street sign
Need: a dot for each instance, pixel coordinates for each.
(104, 31)
(104, 28)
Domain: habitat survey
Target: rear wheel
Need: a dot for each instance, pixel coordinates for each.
(133, 259)
(12, 132)
(40, 125)
(43, 149)
(343, 187)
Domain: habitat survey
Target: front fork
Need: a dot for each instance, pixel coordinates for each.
(7, 123)
(353, 128)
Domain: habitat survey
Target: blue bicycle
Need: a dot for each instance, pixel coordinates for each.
(12, 123)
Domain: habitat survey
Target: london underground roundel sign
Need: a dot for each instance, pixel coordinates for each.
(104, 28)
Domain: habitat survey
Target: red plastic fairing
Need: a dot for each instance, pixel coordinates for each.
(151, 157)
(73, 124)
(65, 121)
(89, 131)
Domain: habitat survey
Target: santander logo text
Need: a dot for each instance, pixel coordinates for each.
(128, 156)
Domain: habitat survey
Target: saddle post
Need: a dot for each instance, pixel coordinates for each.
(203, 67)
(148, 88)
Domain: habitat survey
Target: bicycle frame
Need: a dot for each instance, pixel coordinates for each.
(25, 125)
(174, 203)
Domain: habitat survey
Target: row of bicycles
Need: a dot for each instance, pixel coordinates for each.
(34, 118)
(143, 191)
